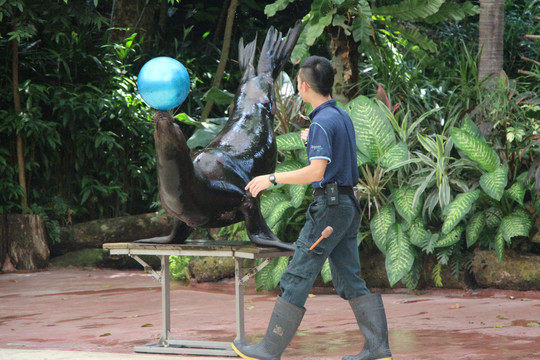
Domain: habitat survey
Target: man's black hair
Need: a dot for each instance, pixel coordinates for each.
(318, 72)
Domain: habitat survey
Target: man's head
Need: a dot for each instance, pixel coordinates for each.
(317, 72)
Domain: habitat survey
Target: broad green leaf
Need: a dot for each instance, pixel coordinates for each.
(516, 192)
(297, 194)
(264, 277)
(410, 10)
(290, 141)
(451, 238)
(474, 228)
(362, 24)
(317, 26)
(395, 155)
(301, 50)
(279, 269)
(418, 235)
(515, 225)
(400, 254)
(361, 159)
(403, 200)
(374, 133)
(476, 149)
(499, 245)
(458, 209)
(326, 273)
(379, 225)
(453, 11)
(277, 212)
(268, 203)
(221, 97)
(271, 9)
(470, 127)
(289, 165)
(493, 183)
(493, 217)
(412, 35)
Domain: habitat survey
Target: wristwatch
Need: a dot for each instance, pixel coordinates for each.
(272, 179)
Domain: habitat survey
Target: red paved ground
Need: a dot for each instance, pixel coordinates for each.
(112, 311)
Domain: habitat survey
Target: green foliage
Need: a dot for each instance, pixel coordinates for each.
(179, 267)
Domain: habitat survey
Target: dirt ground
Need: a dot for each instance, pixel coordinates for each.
(111, 311)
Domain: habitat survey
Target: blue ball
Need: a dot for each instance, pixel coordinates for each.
(163, 83)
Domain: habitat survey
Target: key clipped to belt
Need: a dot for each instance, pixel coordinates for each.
(332, 195)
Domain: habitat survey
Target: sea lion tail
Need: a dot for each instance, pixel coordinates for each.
(246, 54)
(277, 50)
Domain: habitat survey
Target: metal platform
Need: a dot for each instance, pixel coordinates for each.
(239, 251)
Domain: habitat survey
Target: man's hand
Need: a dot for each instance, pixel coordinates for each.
(304, 134)
(258, 184)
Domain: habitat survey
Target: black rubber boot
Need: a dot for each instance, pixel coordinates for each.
(371, 318)
(283, 324)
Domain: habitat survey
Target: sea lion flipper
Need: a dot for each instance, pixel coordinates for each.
(258, 231)
(178, 235)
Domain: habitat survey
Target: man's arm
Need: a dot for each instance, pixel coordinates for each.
(308, 174)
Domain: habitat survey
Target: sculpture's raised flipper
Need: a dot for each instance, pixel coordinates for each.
(258, 231)
(178, 235)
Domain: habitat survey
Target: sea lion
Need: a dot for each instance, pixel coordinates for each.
(206, 189)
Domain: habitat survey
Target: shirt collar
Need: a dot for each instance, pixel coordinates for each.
(322, 106)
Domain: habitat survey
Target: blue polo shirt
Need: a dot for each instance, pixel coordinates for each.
(331, 137)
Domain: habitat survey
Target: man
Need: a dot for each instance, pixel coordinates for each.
(332, 168)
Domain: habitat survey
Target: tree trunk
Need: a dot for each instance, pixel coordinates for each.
(93, 234)
(130, 16)
(345, 60)
(490, 42)
(17, 106)
(24, 240)
(223, 58)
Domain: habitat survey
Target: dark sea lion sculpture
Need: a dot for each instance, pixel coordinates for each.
(206, 189)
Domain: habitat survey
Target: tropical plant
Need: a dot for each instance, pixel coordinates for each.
(350, 24)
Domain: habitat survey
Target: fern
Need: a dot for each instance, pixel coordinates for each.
(410, 10)
(458, 209)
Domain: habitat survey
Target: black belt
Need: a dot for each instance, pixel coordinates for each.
(343, 190)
